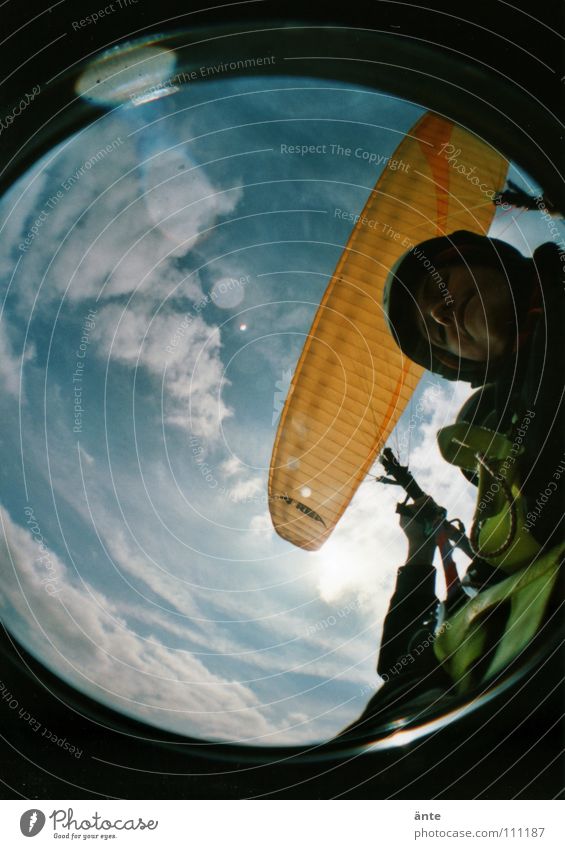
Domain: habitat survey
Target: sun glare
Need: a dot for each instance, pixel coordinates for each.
(334, 578)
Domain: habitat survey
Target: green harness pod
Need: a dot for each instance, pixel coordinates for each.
(499, 534)
(493, 628)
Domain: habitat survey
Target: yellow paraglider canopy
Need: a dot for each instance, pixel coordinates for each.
(352, 382)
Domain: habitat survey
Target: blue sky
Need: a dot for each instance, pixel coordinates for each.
(200, 252)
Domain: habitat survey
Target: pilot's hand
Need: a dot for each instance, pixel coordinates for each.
(418, 531)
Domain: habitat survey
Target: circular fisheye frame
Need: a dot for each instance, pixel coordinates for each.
(281, 395)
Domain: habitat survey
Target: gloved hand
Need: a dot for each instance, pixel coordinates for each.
(419, 531)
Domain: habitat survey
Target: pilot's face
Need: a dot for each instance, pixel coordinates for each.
(472, 316)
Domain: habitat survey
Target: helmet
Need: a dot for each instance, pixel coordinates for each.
(399, 296)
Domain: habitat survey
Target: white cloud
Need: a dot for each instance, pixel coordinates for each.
(84, 633)
(246, 489)
(262, 524)
(184, 354)
(86, 457)
(120, 225)
(140, 568)
(444, 482)
(232, 466)
(22, 203)
(10, 363)
(181, 200)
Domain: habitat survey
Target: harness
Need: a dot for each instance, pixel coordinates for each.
(498, 624)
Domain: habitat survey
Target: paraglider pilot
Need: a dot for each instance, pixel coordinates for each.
(472, 308)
